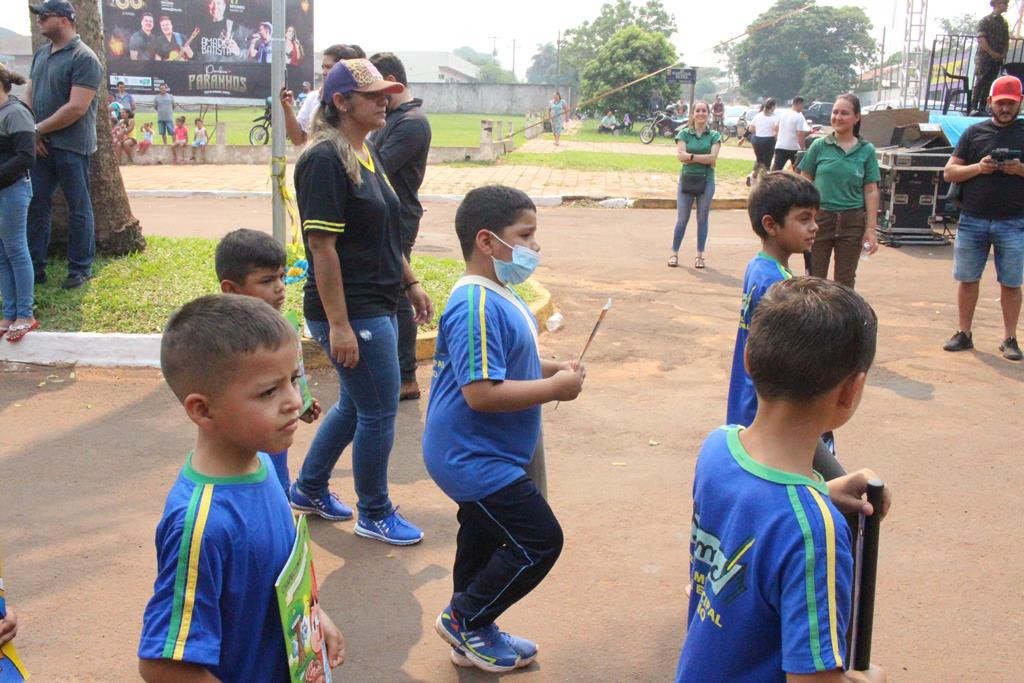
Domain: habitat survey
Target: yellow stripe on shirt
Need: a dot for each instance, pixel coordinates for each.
(193, 571)
(314, 224)
(830, 557)
(483, 333)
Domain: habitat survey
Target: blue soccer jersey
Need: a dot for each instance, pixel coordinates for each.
(220, 545)
(481, 337)
(762, 273)
(770, 568)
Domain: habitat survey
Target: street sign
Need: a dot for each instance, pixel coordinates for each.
(682, 75)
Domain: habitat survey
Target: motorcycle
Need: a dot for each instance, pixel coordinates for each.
(661, 124)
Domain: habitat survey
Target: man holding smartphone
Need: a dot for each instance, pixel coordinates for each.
(987, 165)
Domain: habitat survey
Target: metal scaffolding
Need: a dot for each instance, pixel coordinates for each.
(913, 66)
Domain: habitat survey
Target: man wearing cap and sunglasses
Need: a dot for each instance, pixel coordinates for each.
(987, 165)
(64, 79)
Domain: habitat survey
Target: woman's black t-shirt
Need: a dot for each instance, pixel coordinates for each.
(366, 222)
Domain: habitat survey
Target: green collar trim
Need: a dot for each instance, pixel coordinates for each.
(743, 459)
(197, 478)
(830, 139)
(782, 269)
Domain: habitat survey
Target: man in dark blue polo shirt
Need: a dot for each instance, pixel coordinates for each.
(403, 144)
(65, 77)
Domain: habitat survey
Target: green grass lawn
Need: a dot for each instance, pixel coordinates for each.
(136, 293)
(449, 130)
(614, 161)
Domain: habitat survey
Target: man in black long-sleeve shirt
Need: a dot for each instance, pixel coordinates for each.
(403, 145)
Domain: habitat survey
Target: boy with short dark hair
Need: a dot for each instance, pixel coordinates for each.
(226, 530)
(781, 209)
(251, 263)
(771, 565)
(483, 422)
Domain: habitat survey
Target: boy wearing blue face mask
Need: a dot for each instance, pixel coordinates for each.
(482, 426)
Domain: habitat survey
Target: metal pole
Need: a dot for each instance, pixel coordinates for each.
(277, 70)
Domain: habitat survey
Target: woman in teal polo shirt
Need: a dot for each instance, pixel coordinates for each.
(697, 148)
(845, 170)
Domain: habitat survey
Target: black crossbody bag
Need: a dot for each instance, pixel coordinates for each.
(695, 184)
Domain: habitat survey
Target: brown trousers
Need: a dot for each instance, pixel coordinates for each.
(843, 233)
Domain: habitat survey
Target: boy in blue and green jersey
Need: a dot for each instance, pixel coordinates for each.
(781, 209)
(771, 566)
(252, 263)
(226, 530)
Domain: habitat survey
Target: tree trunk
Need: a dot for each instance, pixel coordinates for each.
(117, 231)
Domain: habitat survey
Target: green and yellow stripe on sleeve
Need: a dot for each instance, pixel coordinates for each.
(326, 226)
(814, 615)
(187, 575)
(476, 320)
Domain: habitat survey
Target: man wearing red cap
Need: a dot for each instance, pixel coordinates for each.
(987, 165)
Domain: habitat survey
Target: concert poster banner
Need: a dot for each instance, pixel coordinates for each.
(206, 51)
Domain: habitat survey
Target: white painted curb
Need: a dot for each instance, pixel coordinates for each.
(539, 200)
(84, 348)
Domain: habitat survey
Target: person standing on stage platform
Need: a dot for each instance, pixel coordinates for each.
(993, 42)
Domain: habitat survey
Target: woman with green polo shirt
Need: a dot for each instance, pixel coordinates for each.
(697, 148)
(845, 170)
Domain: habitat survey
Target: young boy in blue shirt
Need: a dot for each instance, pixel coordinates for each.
(770, 558)
(251, 263)
(482, 426)
(781, 209)
(227, 529)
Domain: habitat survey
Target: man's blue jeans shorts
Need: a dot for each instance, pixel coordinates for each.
(976, 236)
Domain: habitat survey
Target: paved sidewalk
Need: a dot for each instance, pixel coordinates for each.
(546, 143)
(440, 180)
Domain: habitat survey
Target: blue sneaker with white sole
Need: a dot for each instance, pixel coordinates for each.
(526, 649)
(485, 647)
(393, 529)
(328, 506)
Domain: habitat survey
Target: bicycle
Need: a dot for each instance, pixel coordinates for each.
(718, 125)
(260, 133)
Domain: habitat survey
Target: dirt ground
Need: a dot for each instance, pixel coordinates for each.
(85, 464)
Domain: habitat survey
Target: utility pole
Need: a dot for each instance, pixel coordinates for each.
(881, 61)
(558, 58)
(513, 56)
(494, 46)
(277, 70)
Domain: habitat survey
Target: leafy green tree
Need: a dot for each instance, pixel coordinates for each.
(705, 88)
(490, 68)
(776, 57)
(582, 43)
(630, 54)
(826, 82)
(545, 67)
(960, 25)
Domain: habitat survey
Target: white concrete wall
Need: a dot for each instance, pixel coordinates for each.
(487, 98)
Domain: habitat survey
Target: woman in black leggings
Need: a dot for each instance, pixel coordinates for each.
(765, 128)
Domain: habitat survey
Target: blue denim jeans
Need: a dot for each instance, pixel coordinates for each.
(363, 416)
(16, 274)
(684, 204)
(70, 170)
(976, 237)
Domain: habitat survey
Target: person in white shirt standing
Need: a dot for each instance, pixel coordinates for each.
(793, 128)
(297, 127)
(765, 128)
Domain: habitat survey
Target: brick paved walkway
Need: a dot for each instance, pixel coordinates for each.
(440, 180)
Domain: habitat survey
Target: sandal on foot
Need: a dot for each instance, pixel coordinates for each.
(18, 330)
(698, 262)
(673, 261)
(3, 330)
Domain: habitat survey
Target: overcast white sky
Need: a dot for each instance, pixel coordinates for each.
(448, 24)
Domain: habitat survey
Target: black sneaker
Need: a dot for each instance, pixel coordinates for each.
(1010, 349)
(961, 341)
(75, 280)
